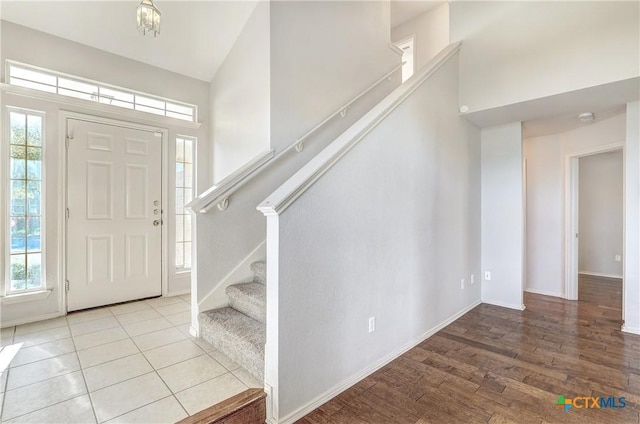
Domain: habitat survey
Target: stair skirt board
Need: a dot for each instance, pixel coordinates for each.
(216, 297)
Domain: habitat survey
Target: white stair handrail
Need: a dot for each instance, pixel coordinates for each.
(218, 195)
(293, 188)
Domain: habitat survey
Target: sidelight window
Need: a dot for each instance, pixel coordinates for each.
(185, 147)
(25, 251)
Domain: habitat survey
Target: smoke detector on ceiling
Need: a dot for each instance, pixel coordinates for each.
(586, 117)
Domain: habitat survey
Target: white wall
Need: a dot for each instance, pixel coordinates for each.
(322, 55)
(388, 232)
(601, 210)
(545, 158)
(518, 51)
(316, 67)
(240, 97)
(431, 31)
(502, 215)
(631, 296)
(40, 49)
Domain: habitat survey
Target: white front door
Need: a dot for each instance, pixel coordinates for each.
(114, 237)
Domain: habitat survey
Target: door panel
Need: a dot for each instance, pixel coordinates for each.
(113, 189)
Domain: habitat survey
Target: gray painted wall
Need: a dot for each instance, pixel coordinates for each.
(502, 215)
(600, 213)
(240, 98)
(388, 232)
(631, 296)
(315, 69)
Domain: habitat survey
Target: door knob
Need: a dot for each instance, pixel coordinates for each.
(156, 222)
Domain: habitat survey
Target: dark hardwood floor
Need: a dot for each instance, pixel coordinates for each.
(496, 365)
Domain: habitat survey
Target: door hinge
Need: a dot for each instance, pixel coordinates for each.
(67, 139)
(66, 214)
(66, 285)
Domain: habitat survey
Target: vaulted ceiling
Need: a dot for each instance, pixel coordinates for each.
(195, 35)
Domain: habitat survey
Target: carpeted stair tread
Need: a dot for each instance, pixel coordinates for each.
(236, 335)
(259, 269)
(248, 298)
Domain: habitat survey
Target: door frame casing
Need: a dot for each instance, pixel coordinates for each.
(572, 167)
(63, 118)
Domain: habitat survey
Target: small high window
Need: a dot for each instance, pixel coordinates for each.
(407, 57)
(25, 201)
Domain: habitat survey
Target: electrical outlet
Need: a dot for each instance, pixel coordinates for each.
(618, 258)
(472, 279)
(462, 284)
(487, 275)
(372, 324)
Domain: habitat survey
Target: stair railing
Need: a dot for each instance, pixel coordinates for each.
(218, 195)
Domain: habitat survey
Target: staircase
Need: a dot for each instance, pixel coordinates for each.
(238, 330)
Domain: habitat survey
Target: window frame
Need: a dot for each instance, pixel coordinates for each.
(170, 109)
(6, 201)
(194, 141)
(402, 45)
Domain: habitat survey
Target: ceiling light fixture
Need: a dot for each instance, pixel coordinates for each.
(148, 17)
(586, 117)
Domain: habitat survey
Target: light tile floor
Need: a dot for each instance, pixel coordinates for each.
(130, 363)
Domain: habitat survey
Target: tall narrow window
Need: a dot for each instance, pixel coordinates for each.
(184, 194)
(26, 218)
(407, 57)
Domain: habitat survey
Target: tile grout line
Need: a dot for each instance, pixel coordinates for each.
(142, 406)
(167, 386)
(4, 394)
(153, 369)
(49, 406)
(44, 359)
(50, 378)
(86, 386)
(82, 369)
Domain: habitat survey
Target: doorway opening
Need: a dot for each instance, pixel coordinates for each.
(595, 228)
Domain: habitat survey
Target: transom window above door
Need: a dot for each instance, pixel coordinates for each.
(32, 77)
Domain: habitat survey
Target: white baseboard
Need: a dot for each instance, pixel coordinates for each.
(630, 330)
(598, 274)
(345, 384)
(544, 292)
(504, 305)
(28, 320)
(217, 298)
(177, 293)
